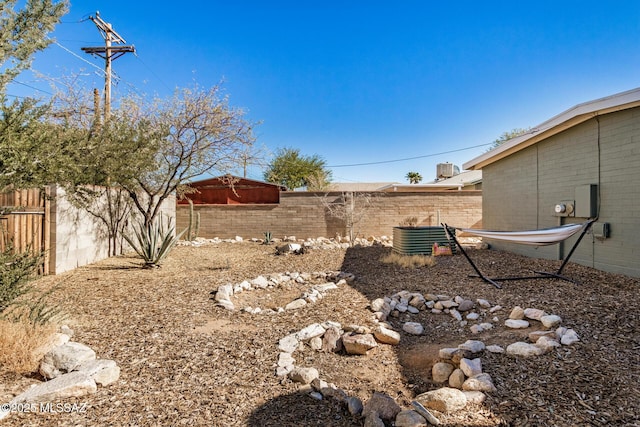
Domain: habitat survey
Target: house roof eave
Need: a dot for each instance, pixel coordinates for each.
(565, 120)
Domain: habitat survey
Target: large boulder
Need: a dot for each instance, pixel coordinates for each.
(445, 399)
(65, 358)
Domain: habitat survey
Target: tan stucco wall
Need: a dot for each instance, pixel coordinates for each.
(76, 237)
(303, 215)
(520, 191)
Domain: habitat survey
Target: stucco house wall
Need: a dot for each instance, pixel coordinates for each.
(521, 189)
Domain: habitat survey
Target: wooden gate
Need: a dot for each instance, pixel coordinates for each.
(22, 221)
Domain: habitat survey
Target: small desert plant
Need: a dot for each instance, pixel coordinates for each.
(268, 238)
(410, 221)
(36, 309)
(194, 225)
(16, 272)
(408, 261)
(153, 242)
(22, 344)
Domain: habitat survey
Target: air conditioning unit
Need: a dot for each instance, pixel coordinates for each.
(446, 170)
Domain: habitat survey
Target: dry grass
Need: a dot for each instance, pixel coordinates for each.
(21, 345)
(409, 261)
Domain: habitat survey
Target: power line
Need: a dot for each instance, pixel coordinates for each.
(409, 158)
(152, 72)
(32, 87)
(80, 58)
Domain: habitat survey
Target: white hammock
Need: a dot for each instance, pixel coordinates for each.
(543, 237)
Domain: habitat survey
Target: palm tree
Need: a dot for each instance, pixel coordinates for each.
(413, 177)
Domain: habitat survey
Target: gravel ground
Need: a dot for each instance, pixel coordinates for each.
(185, 361)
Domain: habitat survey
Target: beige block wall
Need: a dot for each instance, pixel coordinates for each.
(303, 214)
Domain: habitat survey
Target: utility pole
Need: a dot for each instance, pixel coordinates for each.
(114, 47)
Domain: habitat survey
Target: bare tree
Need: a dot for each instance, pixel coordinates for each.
(351, 208)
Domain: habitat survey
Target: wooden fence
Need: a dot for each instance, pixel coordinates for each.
(23, 221)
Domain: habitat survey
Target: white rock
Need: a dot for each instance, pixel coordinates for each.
(288, 344)
(517, 313)
(409, 418)
(535, 335)
(325, 287)
(224, 292)
(476, 329)
(377, 304)
(446, 399)
(386, 336)
(295, 304)
(358, 343)
(413, 310)
(516, 324)
(483, 303)
(547, 344)
(73, 384)
(65, 358)
(534, 313)
(486, 326)
(102, 371)
(315, 343)
(285, 359)
(441, 371)
(495, 349)
(455, 314)
(449, 304)
(524, 349)
(475, 397)
(303, 375)
(550, 321)
(569, 337)
(311, 331)
(495, 308)
(446, 353)
(260, 282)
(226, 304)
(472, 316)
(413, 328)
(474, 346)
(456, 379)
(480, 382)
(471, 367)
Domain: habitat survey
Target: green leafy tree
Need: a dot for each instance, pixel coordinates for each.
(413, 177)
(293, 170)
(506, 136)
(23, 32)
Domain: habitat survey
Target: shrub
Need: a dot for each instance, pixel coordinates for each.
(153, 242)
(408, 261)
(16, 273)
(22, 344)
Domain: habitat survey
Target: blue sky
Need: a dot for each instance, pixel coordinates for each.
(366, 81)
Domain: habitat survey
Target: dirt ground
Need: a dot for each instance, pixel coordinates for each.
(185, 361)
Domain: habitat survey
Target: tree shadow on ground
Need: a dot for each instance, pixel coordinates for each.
(299, 409)
(536, 390)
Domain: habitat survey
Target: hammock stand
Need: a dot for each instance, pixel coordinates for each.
(543, 237)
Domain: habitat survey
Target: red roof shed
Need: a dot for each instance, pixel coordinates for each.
(232, 190)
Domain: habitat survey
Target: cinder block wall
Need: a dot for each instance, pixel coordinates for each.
(304, 215)
(521, 190)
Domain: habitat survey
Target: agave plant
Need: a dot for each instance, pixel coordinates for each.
(153, 242)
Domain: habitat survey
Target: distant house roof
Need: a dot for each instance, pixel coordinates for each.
(359, 186)
(456, 182)
(229, 189)
(569, 118)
